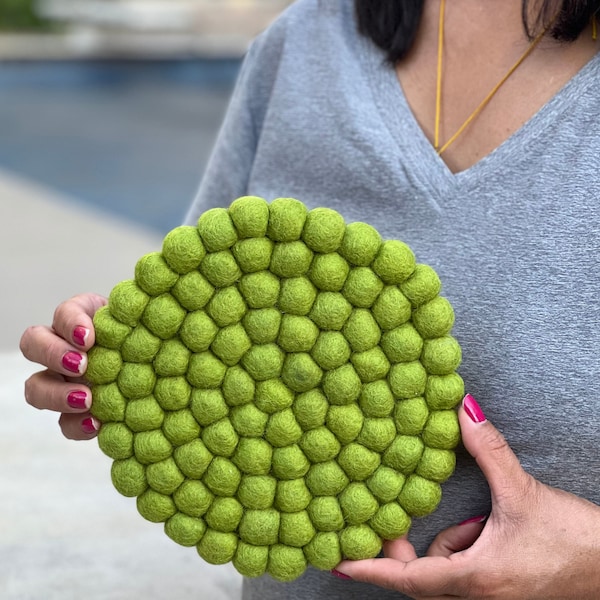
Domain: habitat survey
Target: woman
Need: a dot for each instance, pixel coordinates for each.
(356, 106)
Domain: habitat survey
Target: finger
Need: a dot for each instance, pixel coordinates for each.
(79, 427)
(73, 319)
(457, 538)
(399, 549)
(47, 390)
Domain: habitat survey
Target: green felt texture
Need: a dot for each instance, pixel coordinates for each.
(278, 387)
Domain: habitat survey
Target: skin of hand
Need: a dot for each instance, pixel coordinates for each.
(538, 543)
(62, 349)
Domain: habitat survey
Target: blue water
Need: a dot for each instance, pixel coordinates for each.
(131, 138)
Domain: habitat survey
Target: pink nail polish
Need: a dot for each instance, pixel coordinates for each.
(340, 575)
(90, 425)
(77, 399)
(473, 409)
(72, 362)
(80, 335)
(479, 519)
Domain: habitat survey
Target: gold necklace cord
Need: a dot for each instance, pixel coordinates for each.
(484, 102)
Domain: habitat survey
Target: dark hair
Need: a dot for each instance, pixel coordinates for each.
(393, 24)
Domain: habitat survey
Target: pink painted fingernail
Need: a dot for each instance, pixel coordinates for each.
(72, 362)
(337, 573)
(479, 519)
(80, 335)
(77, 399)
(90, 425)
(473, 409)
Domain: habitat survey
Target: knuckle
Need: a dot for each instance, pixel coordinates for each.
(29, 390)
(26, 341)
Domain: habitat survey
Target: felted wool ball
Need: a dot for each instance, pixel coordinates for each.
(278, 387)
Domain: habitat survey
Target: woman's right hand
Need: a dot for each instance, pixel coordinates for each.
(62, 349)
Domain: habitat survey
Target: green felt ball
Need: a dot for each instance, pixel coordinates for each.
(289, 462)
(329, 271)
(323, 551)
(407, 380)
(193, 459)
(436, 464)
(357, 503)
(153, 274)
(362, 287)
(330, 311)
(358, 462)
(253, 456)
(238, 387)
(361, 330)
(422, 286)
(224, 514)
(250, 215)
(220, 438)
(260, 527)
(103, 366)
(208, 406)
(442, 430)
(254, 254)
(172, 359)
(263, 361)
(231, 343)
(391, 308)
(292, 496)
(371, 365)
(155, 507)
(377, 434)
(217, 230)
(251, 561)
(390, 521)
(331, 350)
(283, 429)
(296, 529)
(248, 420)
(286, 563)
(109, 404)
(404, 453)
(129, 477)
(300, 372)
(326, 479)
(216, 547)
(385, 483)
(410, 416)
(345, 422)
(136, 380)
(257, 491)
(222, 477)
(227, 307)
(359, 541)
(273, 395)
(144, 414)
(376, 399)
(140, 346)
(206, 370)
(441, 356)
(320, 445)
(193, 291)
(180, 427)
(323, 230)
(420, 496)
(260, 290)
(360, 244)
(395, 262)
(297, 296)
(262, 325)
(110, 332)
(164, 476)
(444, 391)
(198, 331)
(116, 440)
(291, 259)
(185, 530)
(342, 385)
(193, 498)
(310, 409)
(297, 334)
(402, 344)
(172, 393)
(434, 318)
(286, 219)
(182, 249)
(163, 316)
(151, 446)
(326, 514)
(127, 302)
(220, 268)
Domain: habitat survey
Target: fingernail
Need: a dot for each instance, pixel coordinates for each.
(337, 573)
(479, 519)
(77, 399)
(72, 362)
(80, 335)
(473, 409)
(90, 425)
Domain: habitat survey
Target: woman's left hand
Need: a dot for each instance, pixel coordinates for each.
(538, 543)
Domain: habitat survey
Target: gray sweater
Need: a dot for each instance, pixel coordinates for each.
(319, 115)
